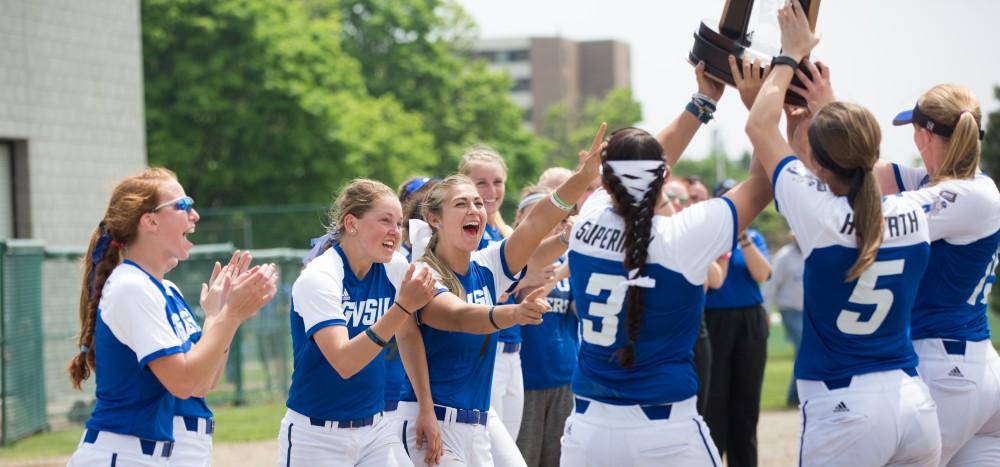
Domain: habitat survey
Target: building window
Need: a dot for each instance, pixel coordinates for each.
(519, 55)
(523, 84)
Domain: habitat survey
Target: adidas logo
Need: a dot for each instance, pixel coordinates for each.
(345, 297)
(956, 373)
(841, 407)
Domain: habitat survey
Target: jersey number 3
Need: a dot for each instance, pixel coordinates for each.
(865, 293)
(607, 311)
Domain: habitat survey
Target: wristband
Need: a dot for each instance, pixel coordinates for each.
(401, 307)
(562, 205)
(375, 338)
(784, 60)
(494, 323)
(700, 110)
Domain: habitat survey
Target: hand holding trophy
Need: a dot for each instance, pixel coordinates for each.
(733, 36)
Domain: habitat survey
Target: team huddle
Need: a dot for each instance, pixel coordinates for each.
(428, 331)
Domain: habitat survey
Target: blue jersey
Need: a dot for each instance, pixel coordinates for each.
(964, 219)
(138, 320)
(548, 351)
(193, 406)
(739, 289)
(680, 251)
(859, 326)
(513, 333)
(460, 365)
(394, 371)
(327, 293)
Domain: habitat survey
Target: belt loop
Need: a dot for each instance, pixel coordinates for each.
(952, 347)
(581, 405)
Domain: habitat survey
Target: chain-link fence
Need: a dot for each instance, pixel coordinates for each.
(40, 322)
(262, 226)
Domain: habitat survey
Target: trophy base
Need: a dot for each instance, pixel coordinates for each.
(714, 49)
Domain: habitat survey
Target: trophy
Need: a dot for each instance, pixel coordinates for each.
(733, 36)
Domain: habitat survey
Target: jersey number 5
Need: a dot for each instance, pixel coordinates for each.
(865, 293)
(607, 311)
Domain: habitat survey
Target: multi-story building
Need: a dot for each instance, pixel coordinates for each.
(71, 113)
(554, 70)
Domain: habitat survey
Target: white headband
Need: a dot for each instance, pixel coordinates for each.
(636, 176)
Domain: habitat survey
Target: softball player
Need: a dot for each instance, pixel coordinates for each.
(862, 402)
(488, 172)
(346, 305)
(635, 383)
(134, 321)
(950, 330)
(459, 367)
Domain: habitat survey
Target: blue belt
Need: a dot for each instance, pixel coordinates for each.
(358, 423)
(841, 383)
(653, 412)
(148, 446)
(511, 347)
(391, 406)
(471, 417)
(954, 347)
(191, 423)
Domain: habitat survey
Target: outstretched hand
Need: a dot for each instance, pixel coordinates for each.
(706, 84)
(817, 91)
(748, 80)
(797, 38)
(531, 309)
(590, 164)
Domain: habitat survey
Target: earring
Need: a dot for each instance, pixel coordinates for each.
(354, 231)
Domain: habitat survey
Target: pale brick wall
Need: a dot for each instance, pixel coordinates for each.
(71, 86)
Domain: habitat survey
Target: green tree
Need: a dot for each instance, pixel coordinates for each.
(568, 133)
(991, 165)
(418, 52)
(254, 102)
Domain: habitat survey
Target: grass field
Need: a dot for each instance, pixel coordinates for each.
(260, 421)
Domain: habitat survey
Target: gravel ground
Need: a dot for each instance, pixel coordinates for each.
(778, 441)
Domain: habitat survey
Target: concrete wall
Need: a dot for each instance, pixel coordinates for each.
(71, 107)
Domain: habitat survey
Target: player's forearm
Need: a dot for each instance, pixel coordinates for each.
(350, 357)
(675, 137)
(414, 357)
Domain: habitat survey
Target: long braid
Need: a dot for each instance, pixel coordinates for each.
(638, 225)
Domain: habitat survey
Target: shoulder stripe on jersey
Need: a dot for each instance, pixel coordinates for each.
(323, 324)
(899, 176)
(774, 177)
(161, 353)
(732, 210)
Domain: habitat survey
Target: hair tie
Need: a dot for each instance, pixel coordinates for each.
(84, 349)
(963, 111)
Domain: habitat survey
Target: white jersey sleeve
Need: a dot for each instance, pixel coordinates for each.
(599, 200)
(909, 178)
(493, 258)
(136, 312)
(695, 237)
(317, 295)
(806, 202)
(959, 211)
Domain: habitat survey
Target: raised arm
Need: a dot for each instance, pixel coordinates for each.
(545, 214)
(676, 136)
(797, 40)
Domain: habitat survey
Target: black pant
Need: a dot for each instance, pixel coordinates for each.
(739, 350)
(703, 365)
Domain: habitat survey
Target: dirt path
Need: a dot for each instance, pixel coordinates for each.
(778, 441)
